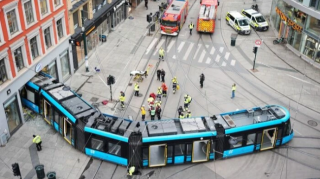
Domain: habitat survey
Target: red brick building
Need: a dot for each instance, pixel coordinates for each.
(34, 36)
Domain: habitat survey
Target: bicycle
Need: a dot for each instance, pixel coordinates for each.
(280, 41)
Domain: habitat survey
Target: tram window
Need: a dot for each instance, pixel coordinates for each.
(145, 153)
(235, 141)
(189, 149)
(30, 96)
(56, 116)
(288, 128)
(213, 147)
(114, 148)
(179, 149)
(97, 144)
(259, 138)
(279, 134)
(251, 138)
(170, 151)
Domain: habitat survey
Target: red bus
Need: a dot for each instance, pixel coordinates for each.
(174, 17)
(207, 16)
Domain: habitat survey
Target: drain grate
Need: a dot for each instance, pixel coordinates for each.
(312, 123)
(94, 99)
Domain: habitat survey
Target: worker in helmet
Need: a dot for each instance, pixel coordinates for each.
(161, 53)
(136, 89)
(164, 89)
(181, 116)
(186, 103)
(159, 93)
(174, 84)
(188, 115)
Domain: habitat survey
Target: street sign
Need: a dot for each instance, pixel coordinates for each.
(258, 43)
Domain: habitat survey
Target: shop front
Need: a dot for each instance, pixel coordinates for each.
(301, 30)
(106, 18)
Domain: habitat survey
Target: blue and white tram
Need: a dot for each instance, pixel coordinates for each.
(155, 143)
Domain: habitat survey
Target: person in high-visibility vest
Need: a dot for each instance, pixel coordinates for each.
(136, 89)
(233, 91)
(188, 115)
(159, 93)
(143, 112)
(174, 84)
(122, 99)
(152, 112)
(161, 53)
(191, 27)
(181, 116)
(37, 140)
(186, 103)
(131, 170)
(164, 89)
(189, 99)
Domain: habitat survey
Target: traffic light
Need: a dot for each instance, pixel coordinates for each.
(255, 49)
(111, 80)
(16, 169)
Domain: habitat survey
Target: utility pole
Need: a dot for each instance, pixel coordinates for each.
(255, 50)
(84, 42)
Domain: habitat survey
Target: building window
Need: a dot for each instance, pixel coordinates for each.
(47, 37)
(12, 21)
(1, 35)
(57, 3)
(310, 46)
(313, 3)
(85, 12)
(60, 28)
(313, 25)
(3, 72)
(18, 57)
(318, 8)
(65, 65)
(75, 19)
(11, 109)
(28, 10)
(34, 47)
(51, 69)
(43, 7)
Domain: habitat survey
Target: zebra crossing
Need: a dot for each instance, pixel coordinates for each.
(215, 55)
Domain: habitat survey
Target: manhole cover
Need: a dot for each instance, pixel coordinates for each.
(312, 123)
(94, 99)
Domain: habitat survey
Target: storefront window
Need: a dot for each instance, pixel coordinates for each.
(80, 53)
(12, 113)
(294, 39)
(318, 7)
(310, 46)
(65, 65)
(313, 25)
(51, 69)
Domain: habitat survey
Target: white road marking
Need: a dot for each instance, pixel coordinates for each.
(295, 130)
(170, 45)
(158, 46)
(233, 62)
(208, 60)
(202, 56)
(221, 49)
(212, 50)
(207, 46)
(227, 55)
(218, 58)
(298, 79)
(151, 45)
(180, 46)
(194, 57)
(224, 64)
(174, 57)
(188, 51)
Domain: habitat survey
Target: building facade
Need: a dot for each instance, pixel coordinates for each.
(299, 22)
(98, 17)
(34, 37)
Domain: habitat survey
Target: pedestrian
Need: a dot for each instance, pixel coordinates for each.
(158, 112)
(37, 140)
(122, 99)
(191, 27)
(158, 74)
(146, 4)
(189, 99)
(159, 93)
(180, 110)
(122, 94)
(233, 91)
(163, 74)
(164, 89)
(152, 112)
(143, 112)
(161, 53)
(181, 116)
(186, 103)
(188, 115)
(174, 84)
(136, 89)
(201, 80)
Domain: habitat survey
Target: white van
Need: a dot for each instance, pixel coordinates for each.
(256, 20)
(238, 22)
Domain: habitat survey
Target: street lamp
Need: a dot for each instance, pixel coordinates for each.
(85, 48)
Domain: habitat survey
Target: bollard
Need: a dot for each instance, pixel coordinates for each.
(40, 171)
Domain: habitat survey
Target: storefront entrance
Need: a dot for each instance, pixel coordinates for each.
(11, 109)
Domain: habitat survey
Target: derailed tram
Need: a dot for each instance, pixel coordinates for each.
(155, 143)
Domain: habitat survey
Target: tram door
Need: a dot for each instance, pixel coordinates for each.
(47, 112)
(157, 155)
(67, 131)
(200, 151)
(269, 137)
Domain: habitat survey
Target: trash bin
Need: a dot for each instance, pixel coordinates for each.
(103, 38)
(40, 171)
(233, 39)
(153, 27)
(51, 175)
